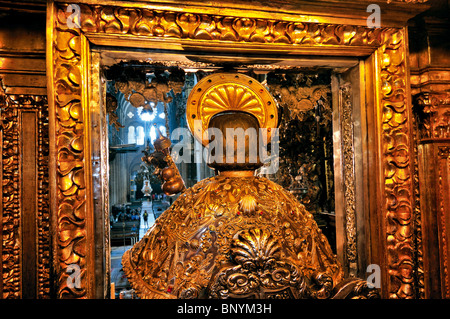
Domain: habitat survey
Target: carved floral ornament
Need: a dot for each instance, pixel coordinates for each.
(68, 97)
(433, 112)
(166, 24)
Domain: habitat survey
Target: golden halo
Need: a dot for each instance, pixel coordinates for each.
(221, 92)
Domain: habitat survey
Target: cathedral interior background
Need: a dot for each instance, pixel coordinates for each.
(88, 87)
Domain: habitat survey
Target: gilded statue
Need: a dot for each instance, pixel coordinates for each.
(234, 235)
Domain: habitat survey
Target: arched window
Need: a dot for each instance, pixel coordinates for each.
(162, 129)
(131, 135)
(152, 134)
(140, 138)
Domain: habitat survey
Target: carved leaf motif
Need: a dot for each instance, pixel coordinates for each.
(205, 29)
(145, 24)
(109, 22)
(345, 34)
(188, 23)
(168, 22)
(297, 32)
(244, 27)
(227, 33)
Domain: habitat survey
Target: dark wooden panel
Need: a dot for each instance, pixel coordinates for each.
(28, 136)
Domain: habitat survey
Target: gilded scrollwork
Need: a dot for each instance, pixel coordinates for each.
(398, 174)
(185, 25)
(144, 22)
(354, 289)
(71, 213)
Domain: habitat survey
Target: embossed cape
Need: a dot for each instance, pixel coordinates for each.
(241, 237)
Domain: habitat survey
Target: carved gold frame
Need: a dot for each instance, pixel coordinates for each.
(78, 167)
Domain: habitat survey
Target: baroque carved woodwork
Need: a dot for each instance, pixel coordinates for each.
(418, 237)
(69, 55)
(12, 250)
(432, 122)
(396, 126)
(305, 137)
(349, 176)
(306, 141)
(186, 25)
(434, 203)
(430, 86)
(433, 112)
(141, 89)
(443, 218)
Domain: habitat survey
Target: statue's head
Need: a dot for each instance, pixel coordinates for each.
(232, 115)
(233, 141)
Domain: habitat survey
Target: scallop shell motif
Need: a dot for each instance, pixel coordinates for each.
(220, 92)
(247, 204)
(255, 248)
(231, 97)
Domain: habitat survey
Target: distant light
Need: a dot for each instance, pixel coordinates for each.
(162, 129)
(162, 115)
(140, 135)
(152, 134)
(147, 116)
